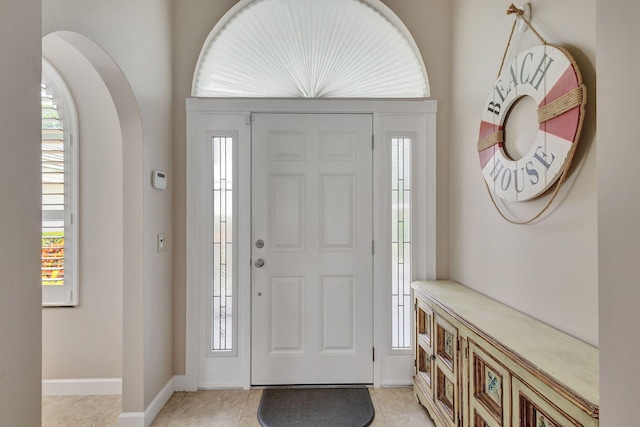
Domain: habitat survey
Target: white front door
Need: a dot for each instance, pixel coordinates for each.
(312, 228)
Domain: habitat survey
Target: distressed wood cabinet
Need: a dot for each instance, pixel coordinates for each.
(480, 363)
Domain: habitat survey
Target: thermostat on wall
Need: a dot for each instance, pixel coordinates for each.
(159, 180)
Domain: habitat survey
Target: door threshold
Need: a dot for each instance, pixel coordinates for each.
(276, 386)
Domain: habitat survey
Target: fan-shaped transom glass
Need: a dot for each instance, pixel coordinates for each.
(312, 49)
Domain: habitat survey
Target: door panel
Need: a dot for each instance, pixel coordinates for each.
(287, 315)
(338, 314)
(311, 203)
(337, 209)
(287, 228)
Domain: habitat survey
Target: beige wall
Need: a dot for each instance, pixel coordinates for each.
(20, 312)
(192, 23)
(552, 275)
(618, 209)
(429, 23)
(86, 341)
(548, 269)
(137, 35)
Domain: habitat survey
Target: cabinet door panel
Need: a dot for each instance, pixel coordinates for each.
(446, 344)
(446, 395)
(424, 321)
(446, 389)
(424, 347)
(479, 421)
(532, 410)
(424, 369)
(489, 386)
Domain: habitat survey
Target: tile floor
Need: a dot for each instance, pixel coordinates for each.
(81, 411)
(228, 408)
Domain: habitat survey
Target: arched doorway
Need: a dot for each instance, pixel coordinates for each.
(127, 129)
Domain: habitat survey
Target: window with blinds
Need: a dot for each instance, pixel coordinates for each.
(313, 49)
(52, 191)
(59, 192)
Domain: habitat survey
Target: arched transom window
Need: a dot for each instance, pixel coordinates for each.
(310, 49)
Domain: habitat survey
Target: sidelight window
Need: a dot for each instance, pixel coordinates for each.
(401, 242)
(223, 250)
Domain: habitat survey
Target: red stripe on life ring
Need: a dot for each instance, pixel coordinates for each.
(563, 126)
(487, 129)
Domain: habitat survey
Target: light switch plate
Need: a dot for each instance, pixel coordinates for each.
(162, 242)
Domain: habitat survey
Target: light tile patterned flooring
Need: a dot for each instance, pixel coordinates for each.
(394, 407)
(81, 411)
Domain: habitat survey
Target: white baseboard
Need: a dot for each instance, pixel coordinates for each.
(82, 387)
(154, 408)
(131, 419)
(180, 382)
(144, 419)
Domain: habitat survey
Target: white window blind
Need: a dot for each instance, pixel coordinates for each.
(313, 49)
(52, 192)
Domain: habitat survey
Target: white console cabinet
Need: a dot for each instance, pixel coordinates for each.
(480, 363)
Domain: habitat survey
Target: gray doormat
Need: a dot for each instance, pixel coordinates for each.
(301, 407)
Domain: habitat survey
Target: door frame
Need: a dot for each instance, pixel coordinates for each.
(415, 117)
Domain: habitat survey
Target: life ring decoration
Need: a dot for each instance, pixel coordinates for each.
(549, 74)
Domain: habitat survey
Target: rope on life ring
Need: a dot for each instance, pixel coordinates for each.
(560, 118)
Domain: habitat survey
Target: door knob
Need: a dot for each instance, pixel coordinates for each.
(259, 263)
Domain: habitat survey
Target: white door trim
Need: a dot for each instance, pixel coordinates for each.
(390, 367)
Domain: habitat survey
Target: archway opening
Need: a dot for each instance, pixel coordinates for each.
(123, 125)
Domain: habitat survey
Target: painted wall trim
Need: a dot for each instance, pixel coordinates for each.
(82, 387)
(131, 419)
(179, 383)
(144, 419)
